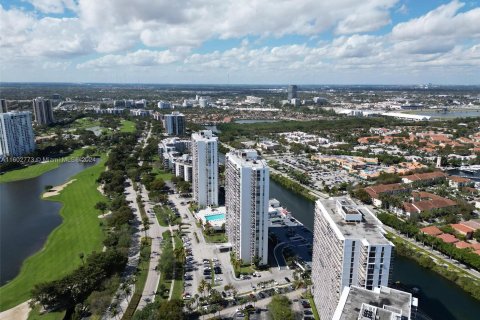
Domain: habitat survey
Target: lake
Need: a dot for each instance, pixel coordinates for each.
(26, 219)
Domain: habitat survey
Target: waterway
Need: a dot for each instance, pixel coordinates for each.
(26, 220)
(438, 297)
(450, 114)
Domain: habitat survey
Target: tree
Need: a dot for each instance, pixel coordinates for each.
(101, 205)
(202, 285)
(280, 309)
(362, 195)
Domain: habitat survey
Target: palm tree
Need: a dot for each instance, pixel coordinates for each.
(208, 286)
(180, 254)
(202, 286)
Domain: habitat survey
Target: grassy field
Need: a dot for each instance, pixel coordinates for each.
(35, 315)
(79, 232)
(162, 174)
(178, 284)
(34, 170)
(84, 123)
(217, 237)
(127, 126)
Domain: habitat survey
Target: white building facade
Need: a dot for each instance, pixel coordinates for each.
(246, 202)
(16, 134)
(205, 168)
(349, 248)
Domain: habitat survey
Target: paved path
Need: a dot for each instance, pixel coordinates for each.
(155, 233)
(133, 255)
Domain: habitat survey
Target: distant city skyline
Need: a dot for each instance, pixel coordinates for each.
(240, 41)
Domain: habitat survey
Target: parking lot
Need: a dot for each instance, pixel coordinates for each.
(320, 174)
(205, 261)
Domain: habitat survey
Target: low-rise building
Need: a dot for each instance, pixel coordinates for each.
(427, 178)
(389, 189)
(463, 230)
(431, 231)
(459, 182)
(425, 201)
(447, 238)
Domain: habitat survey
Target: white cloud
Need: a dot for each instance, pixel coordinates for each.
(139, 58)
(14, 26)
(444, 21)
(170, 30)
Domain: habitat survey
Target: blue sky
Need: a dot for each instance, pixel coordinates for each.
(241, 41)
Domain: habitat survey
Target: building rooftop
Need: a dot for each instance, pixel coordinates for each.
(374, 191)
(380, 304)
(425, 176)
(431, 230)
(204, 135)
(247, 158)
(447, 238)
(369, 228)
(461, 228)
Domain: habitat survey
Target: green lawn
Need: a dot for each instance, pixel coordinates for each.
(217, 237)
(162, 174)
(34, 170)
(127, 126)
(79, 232)
(84, 123)
(35, 315)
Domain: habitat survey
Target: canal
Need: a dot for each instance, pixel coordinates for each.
(438, 297)
(26, 220)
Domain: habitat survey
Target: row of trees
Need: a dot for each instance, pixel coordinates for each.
(466, 256)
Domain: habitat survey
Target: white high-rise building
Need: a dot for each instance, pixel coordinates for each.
(174, 123)
(349, 248)
(42, 109)
(381, 303)
(16, 134)
(164, 105)
(246, 202)
(205, 168)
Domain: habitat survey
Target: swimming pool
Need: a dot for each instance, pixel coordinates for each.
(214, 217)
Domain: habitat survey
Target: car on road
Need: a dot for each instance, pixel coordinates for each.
(305, 304)
(288, 280)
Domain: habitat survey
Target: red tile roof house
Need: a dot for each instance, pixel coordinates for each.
(391, 189)
(459, 182)
(425, 178)
(463, 230)
(474, 224)
(431, 231)
(424, 201)
(462, 245)
(447, 238)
